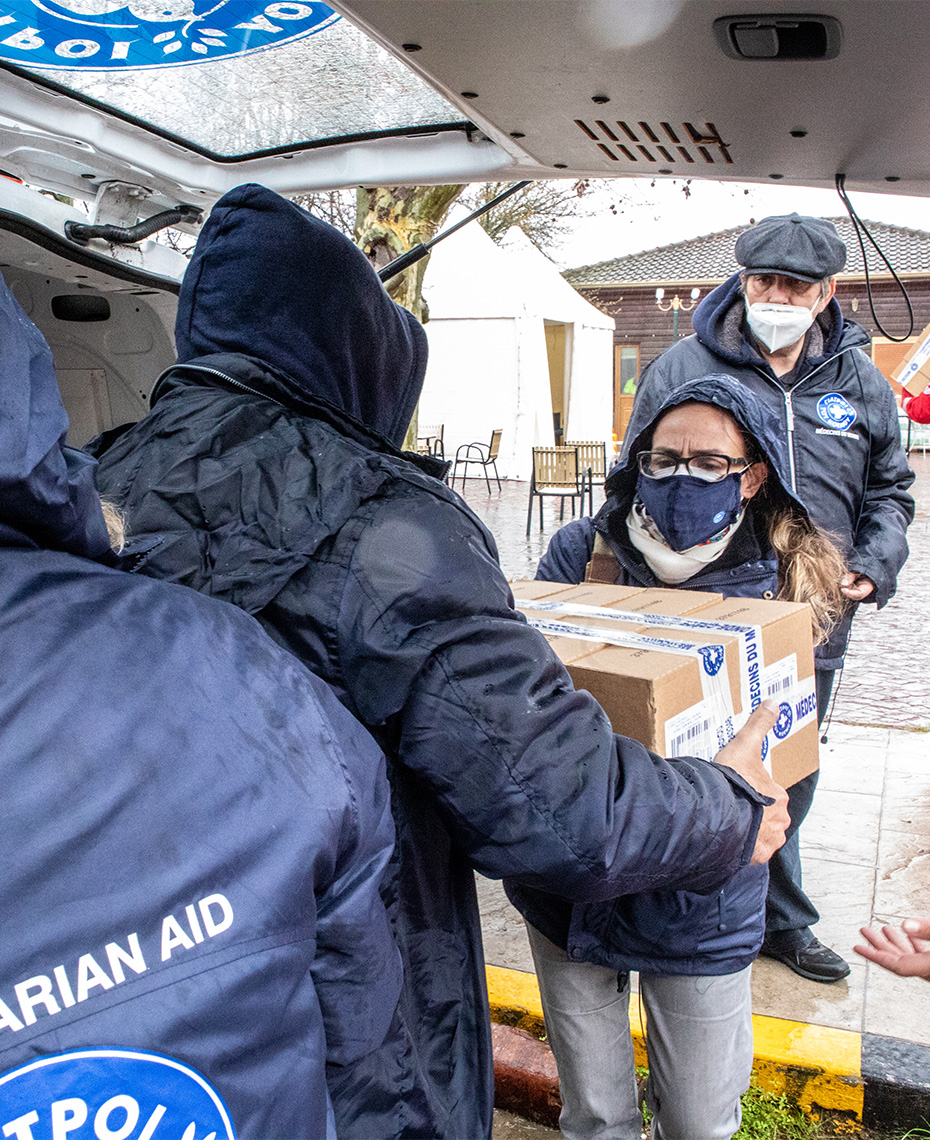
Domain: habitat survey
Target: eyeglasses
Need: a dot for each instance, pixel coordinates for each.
(707, 466)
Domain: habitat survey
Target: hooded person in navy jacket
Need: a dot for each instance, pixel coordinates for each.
(701, 502)
(269, 463)
(777, 328)
(195, 832)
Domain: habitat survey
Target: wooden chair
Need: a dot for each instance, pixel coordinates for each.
(429, 440)
(592, 453)
(557, 471)
(484, 454)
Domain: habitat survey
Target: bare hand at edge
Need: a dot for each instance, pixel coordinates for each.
(905, 952)
(856, 587)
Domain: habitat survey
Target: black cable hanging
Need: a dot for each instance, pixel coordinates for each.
(860, 228)
(412, 256)
(83, 232)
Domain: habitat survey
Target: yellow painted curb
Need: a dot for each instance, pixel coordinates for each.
(816, 1067)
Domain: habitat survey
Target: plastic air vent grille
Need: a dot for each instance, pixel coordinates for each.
(628, 142)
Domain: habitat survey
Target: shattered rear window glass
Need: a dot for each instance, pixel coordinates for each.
(232, 78)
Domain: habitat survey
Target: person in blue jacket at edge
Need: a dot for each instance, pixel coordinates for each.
(777, 328)
(195, 832)
(701, 502)
(269, 464)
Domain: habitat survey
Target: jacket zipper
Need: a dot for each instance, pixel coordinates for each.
(789, 408)
(222, 375)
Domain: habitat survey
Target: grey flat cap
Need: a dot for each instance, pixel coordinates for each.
(807, 248)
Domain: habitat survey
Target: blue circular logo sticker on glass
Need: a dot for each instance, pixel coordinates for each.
(836, 411)
(115, 1094)
(713, 656)
(782, 726)
(117, 35)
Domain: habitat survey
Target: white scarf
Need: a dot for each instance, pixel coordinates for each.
(672, 566)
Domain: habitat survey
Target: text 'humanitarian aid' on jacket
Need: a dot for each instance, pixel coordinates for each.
(67, 985)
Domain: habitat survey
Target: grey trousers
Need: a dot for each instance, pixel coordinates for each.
(699, 1044)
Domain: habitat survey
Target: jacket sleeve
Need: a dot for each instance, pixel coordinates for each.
(568, 553)
(357, 970)
(887, 509)
(526, 772)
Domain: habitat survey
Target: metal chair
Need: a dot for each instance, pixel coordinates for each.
(592, 453)
(557, 471)
(429, 440)
(484, 454)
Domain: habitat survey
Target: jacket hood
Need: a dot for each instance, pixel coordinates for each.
(752, 415)
(270, 281)
(47, 494)
(719, 324)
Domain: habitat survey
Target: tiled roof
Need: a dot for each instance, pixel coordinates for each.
(710, 258)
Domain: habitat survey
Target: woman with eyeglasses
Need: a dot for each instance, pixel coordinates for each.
(701, 503)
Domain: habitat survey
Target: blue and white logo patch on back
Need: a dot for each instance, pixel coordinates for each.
(836, 411)
(113, 1094)
(119, 35)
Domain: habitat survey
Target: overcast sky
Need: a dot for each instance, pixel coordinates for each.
(654, 214)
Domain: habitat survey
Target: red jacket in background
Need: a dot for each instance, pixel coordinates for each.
(917, 407)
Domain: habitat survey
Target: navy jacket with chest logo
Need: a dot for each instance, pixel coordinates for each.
(176, 787)
(845, 459)
(269, 463)
(672, 932)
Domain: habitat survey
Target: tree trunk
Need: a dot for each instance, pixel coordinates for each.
(389, 221)
(392, 219)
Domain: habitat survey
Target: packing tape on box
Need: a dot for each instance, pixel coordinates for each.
(914, 365)
(749, 637)
(796, 699)
(691, 732)
(697, 728)
(711, 659)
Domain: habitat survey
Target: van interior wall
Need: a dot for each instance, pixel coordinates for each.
(110, 340)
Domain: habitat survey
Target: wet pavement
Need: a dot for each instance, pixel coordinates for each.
(866, 842)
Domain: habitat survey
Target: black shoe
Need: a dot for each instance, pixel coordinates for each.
(806, 955)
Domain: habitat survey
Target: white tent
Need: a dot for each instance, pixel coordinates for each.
(511, 345)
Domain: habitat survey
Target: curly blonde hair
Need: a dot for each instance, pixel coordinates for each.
(810, 569)
(811, 565)
(116, 524)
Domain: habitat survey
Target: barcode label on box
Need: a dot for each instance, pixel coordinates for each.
(780, 678)
(692, 733)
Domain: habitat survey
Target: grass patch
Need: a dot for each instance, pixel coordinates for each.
(770, 1117)
(767, 1116)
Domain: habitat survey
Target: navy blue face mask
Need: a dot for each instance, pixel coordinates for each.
(688, 510)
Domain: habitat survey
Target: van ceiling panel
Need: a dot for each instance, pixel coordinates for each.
(618, 87)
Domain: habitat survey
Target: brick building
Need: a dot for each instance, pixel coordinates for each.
(625, 289)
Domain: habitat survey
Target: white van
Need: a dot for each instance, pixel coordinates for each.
(149, 110)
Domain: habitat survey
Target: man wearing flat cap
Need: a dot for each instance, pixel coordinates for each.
(775, 327)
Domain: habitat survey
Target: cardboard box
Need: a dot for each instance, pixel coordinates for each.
(913, 373)
(680, 670)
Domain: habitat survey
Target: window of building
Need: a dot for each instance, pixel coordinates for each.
(626, 368)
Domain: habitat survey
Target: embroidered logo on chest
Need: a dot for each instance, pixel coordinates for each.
(836, 411)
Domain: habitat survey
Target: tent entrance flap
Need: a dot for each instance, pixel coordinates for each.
(559, 356)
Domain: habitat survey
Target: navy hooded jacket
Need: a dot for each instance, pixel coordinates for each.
(273, 473)
(673, 932)
(194, 837)
(845, 459)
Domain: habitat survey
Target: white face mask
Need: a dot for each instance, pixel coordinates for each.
(777, 326)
